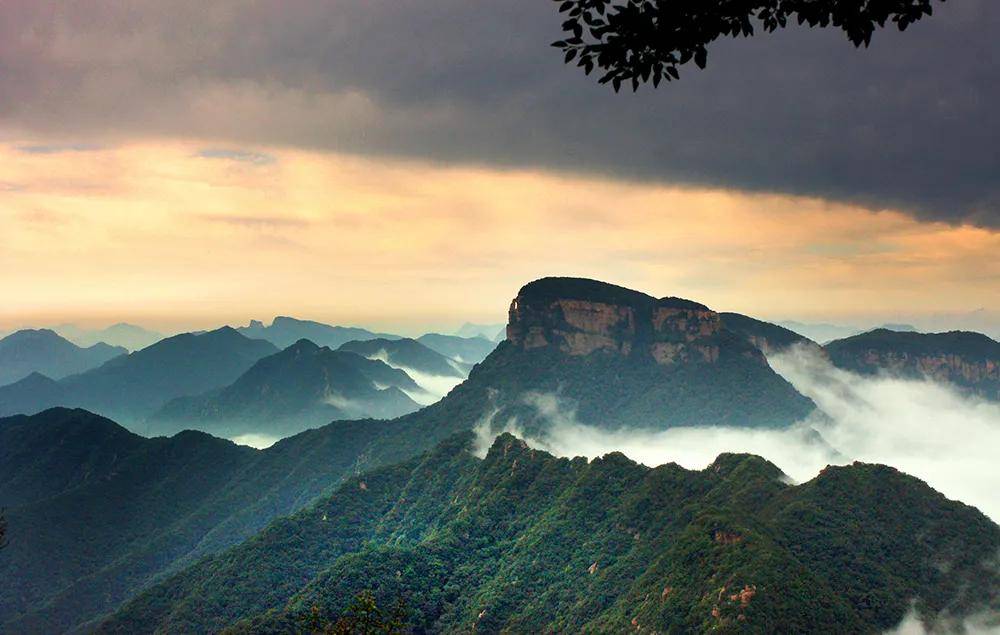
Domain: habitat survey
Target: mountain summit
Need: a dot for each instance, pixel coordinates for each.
(622, 358)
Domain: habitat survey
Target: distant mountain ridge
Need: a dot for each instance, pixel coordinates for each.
(301, 387)
(408, 353)
(492, 332)
(469, 350)
(43, 351)
(130, 387)
(122, 334)
(285, 331)
(967, 360)
(820, 333)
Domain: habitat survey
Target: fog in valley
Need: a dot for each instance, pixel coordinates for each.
(923, 428)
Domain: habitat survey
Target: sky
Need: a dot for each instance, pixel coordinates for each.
(409, 165)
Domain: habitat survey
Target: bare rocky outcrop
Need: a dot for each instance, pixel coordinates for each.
(580, 317)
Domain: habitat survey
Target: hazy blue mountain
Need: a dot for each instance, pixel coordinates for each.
(820, 332)
(32, 394)
(122, 334)
(470, 350)
(436, 374)
(969, 361)
(899, 327)
(767, 337)
(492, 332)
(523, 542)
(408, 353)
(301, 387)
(285, 331)
(131, 387)
(44, 351)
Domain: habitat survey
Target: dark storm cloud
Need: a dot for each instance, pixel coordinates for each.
(908, 123)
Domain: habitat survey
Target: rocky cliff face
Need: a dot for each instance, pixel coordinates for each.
(941, 367)
(620, 358)
(579, 317)
(969, 361)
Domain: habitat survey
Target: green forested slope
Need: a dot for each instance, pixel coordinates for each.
(525, 542)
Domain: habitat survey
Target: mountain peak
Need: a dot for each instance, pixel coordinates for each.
(303, 346)
(579, 316)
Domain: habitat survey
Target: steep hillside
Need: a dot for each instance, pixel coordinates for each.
(524, 542)
(84, 495)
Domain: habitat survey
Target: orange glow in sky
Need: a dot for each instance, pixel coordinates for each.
(168, 234)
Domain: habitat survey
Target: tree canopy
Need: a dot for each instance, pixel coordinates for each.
(640, 41)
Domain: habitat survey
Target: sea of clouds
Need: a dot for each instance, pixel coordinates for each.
(926, 429)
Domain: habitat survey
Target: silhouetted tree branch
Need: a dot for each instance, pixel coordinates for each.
(637, 41)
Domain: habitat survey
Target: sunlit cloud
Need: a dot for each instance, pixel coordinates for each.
(155, 231)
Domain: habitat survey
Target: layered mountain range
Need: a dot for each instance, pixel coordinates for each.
(192, 533)
(43, 351)
(131, 387)
(285, 331)
(301, 387)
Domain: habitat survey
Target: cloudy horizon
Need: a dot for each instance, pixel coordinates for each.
(197, 165)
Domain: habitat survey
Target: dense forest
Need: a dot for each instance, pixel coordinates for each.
(525, 542)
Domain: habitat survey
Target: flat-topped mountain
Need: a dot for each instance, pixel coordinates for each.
(621, 358)
(524, 542)
(285, 331)
(130, 387)
(301, 387)
(967, 360)
(44, 351)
